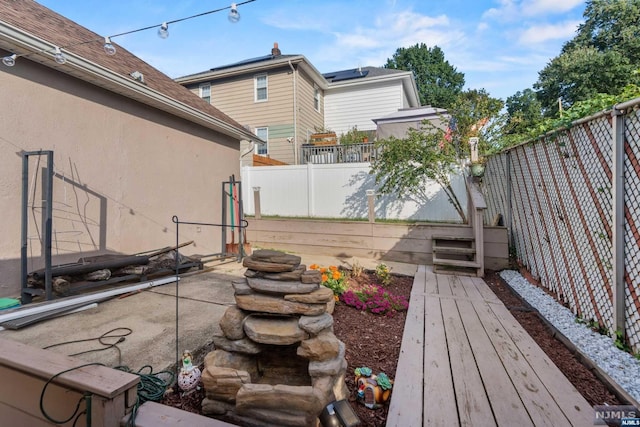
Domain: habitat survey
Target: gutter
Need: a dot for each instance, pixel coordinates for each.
(115, 82)
(295, 114)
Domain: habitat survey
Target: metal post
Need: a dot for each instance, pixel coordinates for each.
(618, 222)
(48, 226)
(26, 297)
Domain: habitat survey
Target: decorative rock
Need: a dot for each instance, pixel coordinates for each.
(323, 347)
(268, 304)
(215, 407)
(311, 276)
(276, 257)
(319, 296)
(275, 330)
(332, 388)
(275, 287)
(315, 324)
(283, 277)
(244, 345)
(331, 305)
(269, 267)
(266, 401)
(335, 366)
(231, 323)
(241, 287)
(224, 383)
(239, 361)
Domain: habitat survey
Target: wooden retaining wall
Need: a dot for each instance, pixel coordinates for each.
(409, 243)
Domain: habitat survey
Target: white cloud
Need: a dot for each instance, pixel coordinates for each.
(541, 7)
(541, 33)
(511, 10)
(482, 26)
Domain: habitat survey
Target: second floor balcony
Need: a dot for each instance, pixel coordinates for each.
(327, 154)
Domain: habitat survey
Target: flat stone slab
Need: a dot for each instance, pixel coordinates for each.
(278, 287)
(223, 383)
(295, 274)
(264, 266)
(278, 257)
(244, 345)
(241, 287)
(280, 404)
(315, 324)
(321, 295)
(268, 304)
(323, 347)
(275, 330)
(311, 276)
(331, 367)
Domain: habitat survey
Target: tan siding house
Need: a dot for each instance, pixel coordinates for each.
(127, 154)
(274, 96)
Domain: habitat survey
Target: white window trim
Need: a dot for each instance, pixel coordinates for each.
(317, 96)
(255, 87)
(265, 139)
(202, 86)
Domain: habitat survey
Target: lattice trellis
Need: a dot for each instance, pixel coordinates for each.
(555, 194)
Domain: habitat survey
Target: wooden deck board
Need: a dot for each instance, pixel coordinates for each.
(409, 396)
(507, 407)
(474, 363)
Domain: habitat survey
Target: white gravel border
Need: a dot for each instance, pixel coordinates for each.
(622, 367)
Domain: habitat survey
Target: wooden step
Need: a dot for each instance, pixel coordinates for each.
(452, 250)
(455, 263)
(458, 271)
(451, 237)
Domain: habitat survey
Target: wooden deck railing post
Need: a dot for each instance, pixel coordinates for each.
(477, 206)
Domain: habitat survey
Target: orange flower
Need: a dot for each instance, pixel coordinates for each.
(314, 266)
(336, 298)
(333, 268)
(323, 270)
(325, 277)
(336, 275)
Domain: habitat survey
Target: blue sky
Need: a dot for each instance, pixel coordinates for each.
(500, 45)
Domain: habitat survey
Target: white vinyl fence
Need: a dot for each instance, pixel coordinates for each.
(339, 191)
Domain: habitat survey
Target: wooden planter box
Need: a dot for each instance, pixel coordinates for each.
(328, 138)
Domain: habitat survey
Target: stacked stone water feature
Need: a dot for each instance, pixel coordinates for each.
(278, 362)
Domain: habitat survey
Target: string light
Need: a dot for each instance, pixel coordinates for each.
(59, 56)
(234, 16)
(163, 31)
(110, 49)
(10, 60)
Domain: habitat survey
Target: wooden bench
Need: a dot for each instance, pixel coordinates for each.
(465, 360)
(152, 414)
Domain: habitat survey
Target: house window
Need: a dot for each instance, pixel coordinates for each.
(263, 134)
(316, 98)
(205, 92)
(260, 83)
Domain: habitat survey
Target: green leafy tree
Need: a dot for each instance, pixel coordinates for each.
(403, 165)
(523, 110)
(474, 112)
(601, 57)
(437, 80)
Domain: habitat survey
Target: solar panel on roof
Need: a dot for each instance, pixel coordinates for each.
(346, 75)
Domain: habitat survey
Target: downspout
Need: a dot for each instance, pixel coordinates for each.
(295, 114)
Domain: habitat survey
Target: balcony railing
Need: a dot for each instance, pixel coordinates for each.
(327, 154)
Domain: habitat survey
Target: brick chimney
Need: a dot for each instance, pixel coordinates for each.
(275, 51)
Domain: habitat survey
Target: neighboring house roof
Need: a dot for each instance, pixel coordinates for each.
(412, 114)
(28, 28)
(256, 65)
(368, 75)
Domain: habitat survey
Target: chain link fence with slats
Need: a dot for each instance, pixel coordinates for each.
(556, 195)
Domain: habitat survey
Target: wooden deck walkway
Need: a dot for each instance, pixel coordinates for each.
(466, 361)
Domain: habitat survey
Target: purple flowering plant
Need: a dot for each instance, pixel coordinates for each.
(374, 299)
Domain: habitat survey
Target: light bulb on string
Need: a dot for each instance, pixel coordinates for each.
(234, 15)
(109, 48)
(59, 56)
(163, 31)
(10, 60)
